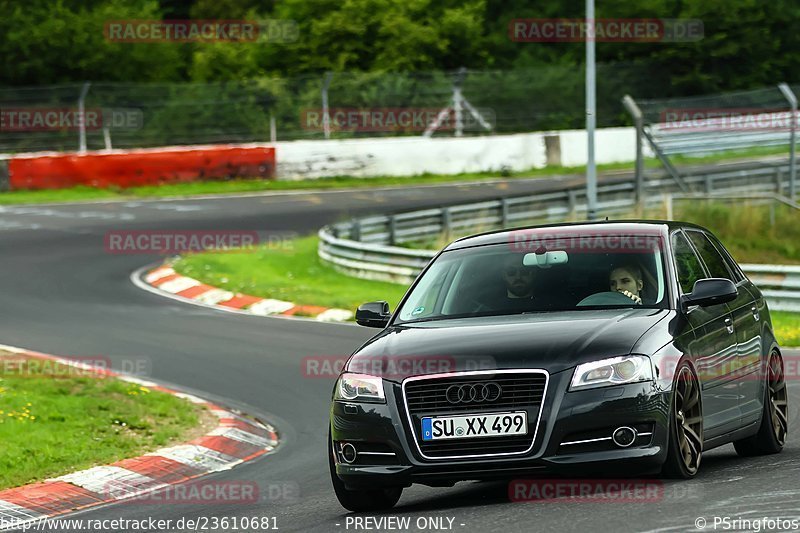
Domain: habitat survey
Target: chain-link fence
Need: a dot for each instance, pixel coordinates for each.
(359, 105)
(759, 119)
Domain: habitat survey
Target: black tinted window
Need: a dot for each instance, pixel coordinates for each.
(729, 261)
(689, 267)
(711, 257)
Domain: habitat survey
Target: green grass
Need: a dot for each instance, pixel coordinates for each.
(787, 328)
(295, 274)
(82, 193)
(55, 420)
(747, 230)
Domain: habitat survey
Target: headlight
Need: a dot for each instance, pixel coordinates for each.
(359, 388)
(616, 371)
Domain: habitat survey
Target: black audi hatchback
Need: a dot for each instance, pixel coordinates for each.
(616, 347)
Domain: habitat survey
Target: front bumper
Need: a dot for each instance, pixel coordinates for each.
(573, 438)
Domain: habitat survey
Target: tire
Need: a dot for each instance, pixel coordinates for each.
(685, 446)
(774, 427)
(361, 500)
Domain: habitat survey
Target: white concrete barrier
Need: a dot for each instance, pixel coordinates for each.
(409, 156)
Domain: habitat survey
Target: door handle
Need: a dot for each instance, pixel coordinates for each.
(754, 309)
(729, 325)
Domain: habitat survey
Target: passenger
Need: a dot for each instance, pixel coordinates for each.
(627, 279)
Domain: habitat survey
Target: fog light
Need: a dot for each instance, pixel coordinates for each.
(349, 453)
(624, 436)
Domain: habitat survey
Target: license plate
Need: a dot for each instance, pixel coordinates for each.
(472, 426)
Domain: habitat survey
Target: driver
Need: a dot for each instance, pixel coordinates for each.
(627, 279)
(518, 278)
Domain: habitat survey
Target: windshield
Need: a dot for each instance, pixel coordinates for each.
(500, 279)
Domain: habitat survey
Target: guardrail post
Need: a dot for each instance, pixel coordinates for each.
(572, 200)
(504, 212)
(709, 183)
(778, 180)
(446, 222)
(355, 229)
(392, 230)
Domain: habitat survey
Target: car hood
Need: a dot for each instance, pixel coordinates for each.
(553, 341)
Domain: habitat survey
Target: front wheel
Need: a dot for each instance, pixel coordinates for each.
(771, 435)
(685, 448)
(360, 500)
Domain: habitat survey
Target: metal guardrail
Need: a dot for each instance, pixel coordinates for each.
(387, 248)
(779, 283)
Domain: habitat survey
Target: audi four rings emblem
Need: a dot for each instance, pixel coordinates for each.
(474, 392)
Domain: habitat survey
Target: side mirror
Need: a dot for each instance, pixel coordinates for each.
(373, 314)
(710, 291)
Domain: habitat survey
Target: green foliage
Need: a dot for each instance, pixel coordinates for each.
(55, 42)
(747, 43)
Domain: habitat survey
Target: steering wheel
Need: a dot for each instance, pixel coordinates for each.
(478, 306)
(607, 298)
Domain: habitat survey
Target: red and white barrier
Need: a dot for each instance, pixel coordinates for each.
(129, 168)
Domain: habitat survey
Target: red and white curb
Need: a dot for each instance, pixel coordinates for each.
(165, 279)
(235, 440)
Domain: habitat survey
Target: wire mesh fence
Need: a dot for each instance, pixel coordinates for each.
(128, 115)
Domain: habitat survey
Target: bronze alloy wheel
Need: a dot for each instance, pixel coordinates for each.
(776, 395)
(689, 419)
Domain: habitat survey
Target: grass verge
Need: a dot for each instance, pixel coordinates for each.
(56, 419)
(787, 328)
(178, 190)
(293, 273)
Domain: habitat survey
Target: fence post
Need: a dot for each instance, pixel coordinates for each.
(107, 137)
(273, 129)
(82, 117)
(792, 99)
(630, 105)
(458, 103)
(326, 116)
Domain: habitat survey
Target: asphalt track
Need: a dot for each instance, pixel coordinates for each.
(62, 292)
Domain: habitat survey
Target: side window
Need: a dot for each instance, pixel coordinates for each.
(711, 257)
(687, 263)
(726, 255)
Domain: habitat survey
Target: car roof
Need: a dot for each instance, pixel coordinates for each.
(568, 229)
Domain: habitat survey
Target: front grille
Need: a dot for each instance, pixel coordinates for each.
(429, 397)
